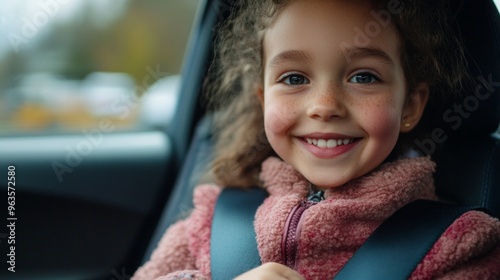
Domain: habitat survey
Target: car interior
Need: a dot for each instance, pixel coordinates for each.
(105, 220)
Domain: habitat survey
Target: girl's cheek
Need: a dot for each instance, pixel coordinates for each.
(277, 119)
(384, 124)
(381, 116)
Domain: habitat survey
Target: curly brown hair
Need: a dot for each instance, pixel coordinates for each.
(430, 52)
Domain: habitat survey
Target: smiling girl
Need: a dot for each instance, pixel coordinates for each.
(320, 119)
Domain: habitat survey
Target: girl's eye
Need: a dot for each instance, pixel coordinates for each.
(364, 78)
(294, 79)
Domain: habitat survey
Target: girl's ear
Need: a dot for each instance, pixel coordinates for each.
(260, 95)
(414, 107)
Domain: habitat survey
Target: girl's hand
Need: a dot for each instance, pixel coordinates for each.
(271, 271)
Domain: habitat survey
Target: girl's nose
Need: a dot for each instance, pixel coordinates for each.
(326, 106)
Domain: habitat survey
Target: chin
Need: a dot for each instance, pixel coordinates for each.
(327, 184)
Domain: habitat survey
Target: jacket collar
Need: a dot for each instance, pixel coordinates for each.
(396, 180)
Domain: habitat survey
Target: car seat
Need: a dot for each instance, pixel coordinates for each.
(468, 165)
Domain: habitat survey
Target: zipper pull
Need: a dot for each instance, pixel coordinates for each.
(316, 197)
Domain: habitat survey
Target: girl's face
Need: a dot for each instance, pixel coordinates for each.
(334, 94)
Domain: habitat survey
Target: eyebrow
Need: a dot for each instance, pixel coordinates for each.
(288, 56)
(352, 53)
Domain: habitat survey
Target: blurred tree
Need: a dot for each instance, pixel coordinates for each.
(149, 33)
(139, 37)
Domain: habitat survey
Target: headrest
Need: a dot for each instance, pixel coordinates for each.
(477, 111)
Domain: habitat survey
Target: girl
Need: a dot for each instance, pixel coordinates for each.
(322, 97)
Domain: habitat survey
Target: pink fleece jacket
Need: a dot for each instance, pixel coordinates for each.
(332, 230)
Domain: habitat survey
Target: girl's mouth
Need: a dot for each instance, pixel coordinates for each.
(329, 143)
(329, 148)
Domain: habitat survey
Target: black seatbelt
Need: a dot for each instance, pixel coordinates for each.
(233, 247)
(393, 251)
(399, 244)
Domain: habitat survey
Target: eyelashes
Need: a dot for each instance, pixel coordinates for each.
(364, 78)
(295, 79)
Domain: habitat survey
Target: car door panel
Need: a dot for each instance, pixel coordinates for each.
(83, 209)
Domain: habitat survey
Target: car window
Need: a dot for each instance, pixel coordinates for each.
(66, 66)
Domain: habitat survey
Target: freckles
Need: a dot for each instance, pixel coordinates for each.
(387, 109)
(381, 119)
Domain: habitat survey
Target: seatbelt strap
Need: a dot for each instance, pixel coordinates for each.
(399, 244)
(393, 251)
(233, 244)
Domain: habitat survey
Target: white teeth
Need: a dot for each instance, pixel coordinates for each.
(322, 143)
(330, 143)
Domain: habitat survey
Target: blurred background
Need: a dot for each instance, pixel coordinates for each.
(66, 65)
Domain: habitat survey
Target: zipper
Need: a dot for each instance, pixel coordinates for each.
(291, 234)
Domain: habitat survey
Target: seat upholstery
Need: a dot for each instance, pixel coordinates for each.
(468, 165)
